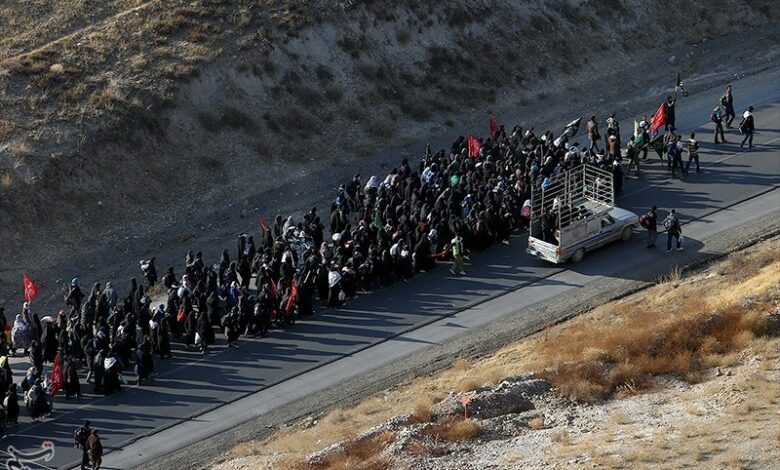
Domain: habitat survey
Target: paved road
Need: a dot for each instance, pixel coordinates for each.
(191, 391)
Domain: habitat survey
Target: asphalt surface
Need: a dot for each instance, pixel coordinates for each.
(195, 397)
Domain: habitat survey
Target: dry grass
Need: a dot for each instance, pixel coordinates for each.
(362, 454)
(536, 423)
(563, 438)
(422, 411)
(457, 430)
(680, 332)
(6, 128)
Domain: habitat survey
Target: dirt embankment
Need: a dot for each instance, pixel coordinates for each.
(113, 111)
(682, 374)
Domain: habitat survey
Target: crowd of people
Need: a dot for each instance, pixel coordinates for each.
(450, 204)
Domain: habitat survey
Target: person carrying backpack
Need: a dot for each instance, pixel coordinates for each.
(673, 230)
(80, 436)
(717, 118)
(747, 127)
(650, 223)
(674, 150)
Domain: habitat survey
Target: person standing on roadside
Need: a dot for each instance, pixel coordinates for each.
(727, 101)
(673, 230)
(632, 154)
(80, 437)
(95, 450)
(457, 255)
(614, 125)
(650, 222)
(674, 151)
(644, 127)
(747, 127)
(593, 134)
(669, 137)
(717, 118)
(693, 153)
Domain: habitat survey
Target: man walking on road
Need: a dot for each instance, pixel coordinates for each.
(632, 153)
(457, 255)
(727, 101)
(675, 156)
(650, 222)
(593, 134)
(747, 127)
(80, 438)
(673, 230)
(95, 450)
(693, 153)
(717, 118)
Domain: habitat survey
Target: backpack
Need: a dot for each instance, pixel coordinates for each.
(80, 436)
(668, 223)
(643, 221)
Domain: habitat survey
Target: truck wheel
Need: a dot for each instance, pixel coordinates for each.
(578, 255)
(627, 233)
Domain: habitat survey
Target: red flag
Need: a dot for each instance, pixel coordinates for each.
(56, 376)
(474, 146)
(293, 297)
(30, 289)
(493, 126)
(263, 224)
(659, 118)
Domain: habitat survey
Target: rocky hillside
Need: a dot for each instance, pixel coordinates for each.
(115, 110)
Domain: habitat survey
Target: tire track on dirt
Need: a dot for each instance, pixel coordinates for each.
(85, 29)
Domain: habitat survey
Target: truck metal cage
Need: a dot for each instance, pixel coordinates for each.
(577, 194)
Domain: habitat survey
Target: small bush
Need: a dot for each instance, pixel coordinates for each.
(417, 109)
(363, 454)
(457, 430)
(6, 180)
(563, 438)
(536, 423)
(333, 93)
(404, 35)
(6, 128)
(324, 74)
(421, 412)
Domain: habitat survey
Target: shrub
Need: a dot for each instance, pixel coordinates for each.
(362, 454)
(536, 423)
(457, 430)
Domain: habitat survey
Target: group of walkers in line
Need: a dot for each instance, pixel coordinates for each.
(668, 144)
(450, 204)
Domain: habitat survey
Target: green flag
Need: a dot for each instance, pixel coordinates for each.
(658, 145)
(681, 86)
(377, 221)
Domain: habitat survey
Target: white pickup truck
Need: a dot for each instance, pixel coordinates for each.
(575, 214)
